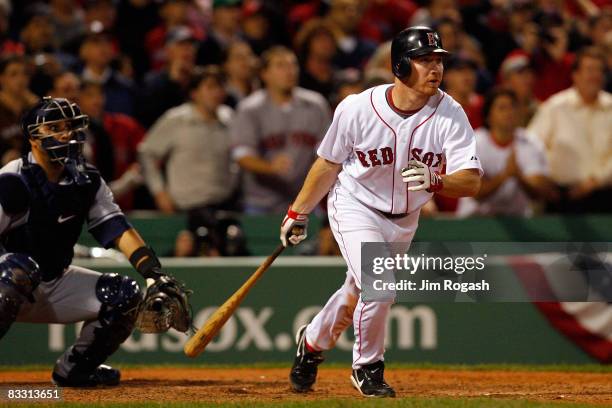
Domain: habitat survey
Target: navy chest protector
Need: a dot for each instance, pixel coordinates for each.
(56, 217)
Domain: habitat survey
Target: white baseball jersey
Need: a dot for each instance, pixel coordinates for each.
(373, 141)
(509, 198)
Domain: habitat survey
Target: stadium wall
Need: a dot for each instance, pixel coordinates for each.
(287, 296)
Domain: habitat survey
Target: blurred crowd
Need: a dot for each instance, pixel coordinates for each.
(214, 108)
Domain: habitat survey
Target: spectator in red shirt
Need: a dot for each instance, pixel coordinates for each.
(123, 134)
(551, 59)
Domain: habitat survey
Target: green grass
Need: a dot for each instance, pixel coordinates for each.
(337, 403)
(590, 368)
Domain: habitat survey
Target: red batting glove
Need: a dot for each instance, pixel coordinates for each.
(293, 228)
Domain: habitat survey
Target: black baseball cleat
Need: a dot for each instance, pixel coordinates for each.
(102, 375)
(370, 382)
(304, 371)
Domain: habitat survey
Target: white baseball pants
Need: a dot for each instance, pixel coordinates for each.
(353, 223)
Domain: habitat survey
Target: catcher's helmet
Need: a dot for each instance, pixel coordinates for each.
(413, 42)
(58, 115)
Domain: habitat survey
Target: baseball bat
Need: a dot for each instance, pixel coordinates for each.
(215, 322)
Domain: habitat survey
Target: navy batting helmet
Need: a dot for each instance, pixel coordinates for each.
(413, 42)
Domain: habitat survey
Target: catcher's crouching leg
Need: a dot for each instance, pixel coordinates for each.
(80, 365)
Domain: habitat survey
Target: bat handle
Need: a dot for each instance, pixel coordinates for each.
(277, 251)
(297, 230)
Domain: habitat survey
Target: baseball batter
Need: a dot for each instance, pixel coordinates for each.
(45, 199)
(380, 162)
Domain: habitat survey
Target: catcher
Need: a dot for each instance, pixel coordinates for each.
(45, 198)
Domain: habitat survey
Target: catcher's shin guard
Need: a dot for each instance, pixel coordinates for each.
(19, 277)
(10, 302)
(120, 297)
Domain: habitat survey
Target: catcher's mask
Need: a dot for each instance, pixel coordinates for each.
(50, 121)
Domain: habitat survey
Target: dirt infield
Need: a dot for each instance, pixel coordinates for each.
(267, 384)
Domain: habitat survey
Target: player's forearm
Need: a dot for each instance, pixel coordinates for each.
(256, 165)
(142, 258)
(463, 183)
(129, 241)
(320, 179)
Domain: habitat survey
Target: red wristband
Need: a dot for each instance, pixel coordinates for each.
(296, 215)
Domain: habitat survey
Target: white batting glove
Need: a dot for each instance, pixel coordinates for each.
(430, 181)
(293, 228)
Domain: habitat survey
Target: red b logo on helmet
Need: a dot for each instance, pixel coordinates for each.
(431, 38)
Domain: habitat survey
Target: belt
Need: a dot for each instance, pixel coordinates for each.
(386, 214)
(392, 216)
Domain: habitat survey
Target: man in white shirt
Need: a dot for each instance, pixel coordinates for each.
(576, 128)
(515, 167)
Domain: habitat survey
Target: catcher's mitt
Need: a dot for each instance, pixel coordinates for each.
(166, 304)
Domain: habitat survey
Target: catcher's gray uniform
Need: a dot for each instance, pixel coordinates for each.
(47, 230)
(70, 298)
(43, 207)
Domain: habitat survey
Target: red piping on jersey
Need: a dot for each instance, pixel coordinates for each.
(403, 113)
(348, 259)
(411, 136)
(394, 150)
(359, 331)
